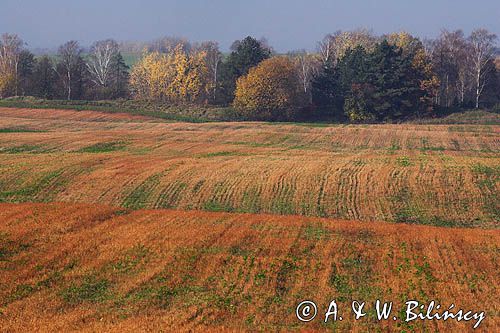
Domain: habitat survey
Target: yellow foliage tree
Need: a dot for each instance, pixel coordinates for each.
(176, 77)
(7, 82)
(198, 83)
(191, 82)
(150, 77)
(405, 41)
(270, 90)
(351, 39)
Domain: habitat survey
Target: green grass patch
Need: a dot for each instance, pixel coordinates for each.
(312, 125)
(250, 144)
(10, 248)
(216, 206)
(490, 172)
(19, 130)
(282, 202)
(413, 215)
(171, 194)
(132, 258)
(131, 59)
(480, 117)
(139, 197)
(158, 110)
(283, 277)
(426, 147)
(316, 232)
(341, 284)
(350, 276)
(394, 147)
(198, 185)
(424, 270)
(164, 296)
(21, 291)
(250, 203)
(91, 289)
(104, 147)
(403, 161)
(31, 191)
(25, 149)
(486, 178)
(407, 211)
(221, 153)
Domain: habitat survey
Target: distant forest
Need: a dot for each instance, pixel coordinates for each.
(353, 76)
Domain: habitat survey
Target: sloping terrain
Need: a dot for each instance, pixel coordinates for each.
(75, 267)
(445, 175)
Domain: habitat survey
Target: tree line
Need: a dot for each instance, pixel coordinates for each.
(353, 75)
(103, 73)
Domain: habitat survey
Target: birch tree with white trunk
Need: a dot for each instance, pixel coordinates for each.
(326, 48)
(69, 56)
(459, 50)
(11, 47)
(213, 60)
(482, 46)
(307, 67)
(100, 60)
(465, 76)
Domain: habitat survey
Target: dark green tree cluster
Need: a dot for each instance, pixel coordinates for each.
(381, 85)
(245, 54)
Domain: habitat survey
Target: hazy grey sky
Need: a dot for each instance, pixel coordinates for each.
(287, 24)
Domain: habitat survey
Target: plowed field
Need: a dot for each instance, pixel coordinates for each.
(113, 222)
(75, 267)
(444, 175)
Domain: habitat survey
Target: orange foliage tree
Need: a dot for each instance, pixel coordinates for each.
(271, 90)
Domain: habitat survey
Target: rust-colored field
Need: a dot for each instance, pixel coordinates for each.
(71, 115)
(94, 268)
(443, 175)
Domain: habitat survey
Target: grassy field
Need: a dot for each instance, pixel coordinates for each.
(209, 113)
(443, 175)
(131, 59)
(193, 114)
(114, 221)
(94, 268)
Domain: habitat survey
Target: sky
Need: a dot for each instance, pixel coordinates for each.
(287, 24)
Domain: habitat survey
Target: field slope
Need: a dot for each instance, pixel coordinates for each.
(444, 175)
(93, 268)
